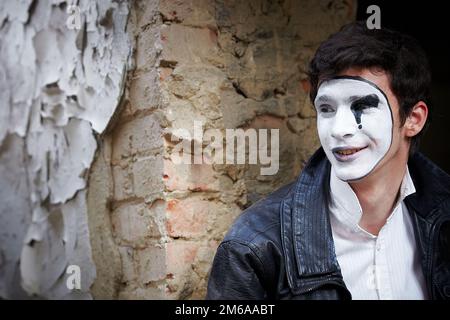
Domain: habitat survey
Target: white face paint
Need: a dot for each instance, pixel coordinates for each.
(354, 122)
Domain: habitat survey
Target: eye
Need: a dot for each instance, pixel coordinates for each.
(325, 108)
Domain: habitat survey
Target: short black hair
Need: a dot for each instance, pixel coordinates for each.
(399, 55)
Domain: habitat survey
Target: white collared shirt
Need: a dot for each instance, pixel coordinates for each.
(379, 267)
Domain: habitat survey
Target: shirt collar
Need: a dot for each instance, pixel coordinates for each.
(346, 206)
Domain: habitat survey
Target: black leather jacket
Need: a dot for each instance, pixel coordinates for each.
(282, 247)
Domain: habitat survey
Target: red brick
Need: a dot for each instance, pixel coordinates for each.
(181, 255)
(188, 217)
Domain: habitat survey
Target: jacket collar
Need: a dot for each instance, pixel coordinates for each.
(305, 228)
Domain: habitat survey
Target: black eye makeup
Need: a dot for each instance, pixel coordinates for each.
(361, 104)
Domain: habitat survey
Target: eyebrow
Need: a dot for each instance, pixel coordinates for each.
(370, 99)
(324, 98)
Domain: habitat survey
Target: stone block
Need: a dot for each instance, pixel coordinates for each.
(138, 135)
(148, 176)
(151, 264)
(135, 223)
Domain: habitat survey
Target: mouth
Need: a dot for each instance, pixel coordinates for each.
(346, 153)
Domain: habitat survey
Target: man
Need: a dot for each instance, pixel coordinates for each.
(369, 216)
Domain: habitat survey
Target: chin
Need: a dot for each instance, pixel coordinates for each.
(355, 170)
(350, 174)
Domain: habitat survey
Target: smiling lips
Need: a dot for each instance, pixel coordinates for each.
(345, 151)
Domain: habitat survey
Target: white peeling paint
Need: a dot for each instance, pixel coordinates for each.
(58, 88)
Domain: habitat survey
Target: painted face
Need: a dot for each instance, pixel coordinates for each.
(354, 122)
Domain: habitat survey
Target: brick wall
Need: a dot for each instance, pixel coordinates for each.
(154, 224)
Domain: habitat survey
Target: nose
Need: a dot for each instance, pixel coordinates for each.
(344, 124)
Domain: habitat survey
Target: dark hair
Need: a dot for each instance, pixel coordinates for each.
(399, 55)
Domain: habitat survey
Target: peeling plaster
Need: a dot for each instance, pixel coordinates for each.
(59, 87)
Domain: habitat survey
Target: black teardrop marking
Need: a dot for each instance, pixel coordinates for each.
(357, 113)
(357, 107)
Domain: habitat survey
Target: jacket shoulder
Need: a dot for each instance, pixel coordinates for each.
(431, 182)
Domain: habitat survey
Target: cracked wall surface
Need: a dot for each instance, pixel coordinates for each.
(228, 64)
(60, 85)
(87, 117)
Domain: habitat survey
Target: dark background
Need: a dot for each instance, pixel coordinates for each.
(427, 22)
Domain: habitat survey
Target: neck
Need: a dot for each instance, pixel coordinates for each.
(378, 193)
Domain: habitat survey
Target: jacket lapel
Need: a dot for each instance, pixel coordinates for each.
(306, 231)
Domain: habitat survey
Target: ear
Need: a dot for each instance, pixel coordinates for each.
(416, 120)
